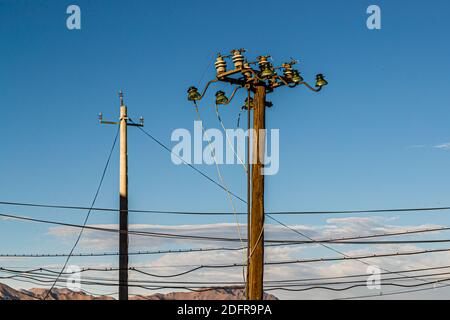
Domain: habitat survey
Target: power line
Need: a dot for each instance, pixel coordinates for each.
(175, 212)
(365, 274)
(324, 245)
(268, 284)
(342, 240)
(222, 182)
(323, 286)
(380, 295)
(426, 277)
(360, 285)
(368, 211)
(310, 238)
(38, 282)
(41, 271)
(44, 280)
(397, 210)
(139, 233)
(179, 212)
(194, 250)
(382, 255)
(327, 246)
(88, 213)
(272, 263)
(190, 165)
(100, 254)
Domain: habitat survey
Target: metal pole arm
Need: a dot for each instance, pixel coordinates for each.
(232, 96)
(100, 119)
(206, 88)
(293, 85)
(108, 122)
(310, 87)
(134, 124)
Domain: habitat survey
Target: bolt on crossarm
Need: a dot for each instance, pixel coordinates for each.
(123, 195)
(259, 80)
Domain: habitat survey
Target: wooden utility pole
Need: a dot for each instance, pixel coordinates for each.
(249, 188)
(261, 81)
(123, 237)
(256, 259)
(123, 195)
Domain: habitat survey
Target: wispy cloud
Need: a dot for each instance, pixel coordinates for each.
(333, 228)
(443, 146)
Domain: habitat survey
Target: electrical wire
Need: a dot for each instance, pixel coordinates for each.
(88, 213)
(100, 254)
(178, 212)
(360, 285)
(186, 163)
(336, 212)
(268, 284)
(331, 248)
(380, 295)
(324, 286)
(222, 181)
(342, 240)
(270, 263)
(47, 271)
(38, 282)
(228, 138)
(131, 232)
(250, 251)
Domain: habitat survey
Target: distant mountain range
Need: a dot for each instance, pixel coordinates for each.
(8, 293)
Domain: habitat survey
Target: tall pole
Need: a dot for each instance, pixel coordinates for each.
(248, 193)
(261, 81)
(123, 194)
(256, 263)
(123, 237)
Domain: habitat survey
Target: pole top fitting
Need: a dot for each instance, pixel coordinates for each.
(121, 98)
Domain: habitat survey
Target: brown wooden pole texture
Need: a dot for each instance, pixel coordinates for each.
(248, 191)
(256, 268)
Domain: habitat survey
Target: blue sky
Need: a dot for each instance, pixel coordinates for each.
(367, 141)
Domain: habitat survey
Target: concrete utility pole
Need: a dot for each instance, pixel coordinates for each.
(123, 237)
(123, 195)
(260, 81)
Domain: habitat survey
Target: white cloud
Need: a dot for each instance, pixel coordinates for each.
(444, 146)
(334, 228)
